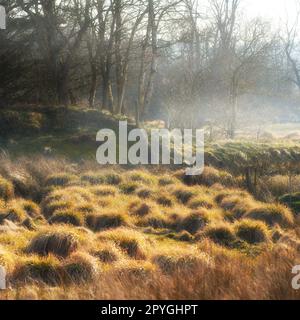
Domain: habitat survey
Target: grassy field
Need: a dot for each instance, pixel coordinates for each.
(135, 234)
(71, 229)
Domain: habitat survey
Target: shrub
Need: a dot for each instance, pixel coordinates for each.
(105, 221)
(6, 189)
(60, 180)
(183, 195)
(272, 214)
(60, 243)
(252, 232)
(80, 268)
(221, 234)
(32, 269)
(67, 217)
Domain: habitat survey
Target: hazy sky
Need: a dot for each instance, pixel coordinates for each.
(271, 9)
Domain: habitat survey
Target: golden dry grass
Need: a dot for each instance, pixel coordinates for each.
(140, 235)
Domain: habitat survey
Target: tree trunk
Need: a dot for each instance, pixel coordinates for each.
(93, 89)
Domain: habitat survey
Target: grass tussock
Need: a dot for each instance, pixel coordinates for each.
(60, 243)
(80, 268)
(6, 189)
(221, 234)
(141, 234)
(100, 222)
(272, 214)
(253, 232)
(67, 217)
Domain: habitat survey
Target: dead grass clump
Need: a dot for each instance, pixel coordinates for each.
(113, 178)
(165, 200)
(52, 207)
(141, 209)
(279, 185)
(60, 180)
(181, 261)
(107, 253)
(80, 268)
(144, 193)
(130, 242)
(166, 181)
(134, 269)
(184, 195)
(38, 269)
(140, 176)
(6, 189)
(77, 194)
(129, 187)
(209, 177)
(13, 212)
(236, 207)
(195, 221)
(93, 178)
(104, 191)
(201, 201)
(272, 214)
(221, 234)
(253, 232)
(105, 221)
(86, 208)
(32, 209)
(156, 220)
(60, 243)
(29, 224)
(184, 236)
(67, 217)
